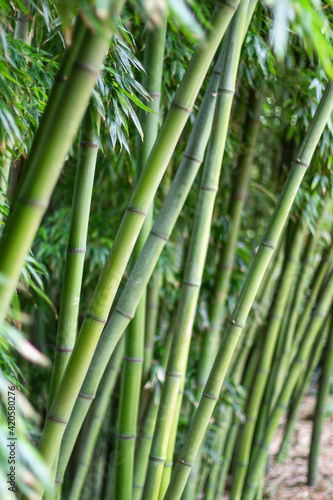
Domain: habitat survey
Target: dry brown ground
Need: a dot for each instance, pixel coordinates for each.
(288, 480)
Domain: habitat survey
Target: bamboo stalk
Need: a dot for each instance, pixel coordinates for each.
(44, 169)
(147, 260)
(246, 298)
(225, 265)
(259, 457)
(266, 356)
(128, 231)
(135, 335)
(97, 415)
(318, 421)
(76, 248)
(196, 257)
(317, 281)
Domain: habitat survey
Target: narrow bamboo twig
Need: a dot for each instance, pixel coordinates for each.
(259, 457)
(246, 298)
(97, 415)
(128, 231)
(146, 262)
(135, 335)
(318, 421)
(196, 256)
(76, 248)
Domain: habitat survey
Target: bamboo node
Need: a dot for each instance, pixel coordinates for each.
(231, 4)
(216, 72)
(226, 91)
(58, 481)
(128, 316)
(210, 396)
(190, 283)
(302, 163)
(86, 396)
(269, 245)
(242, 464)
(180, 106)
(126, 437)
(155, 94)
(138, 361)
(251, 486)
(168, 464)
(140, 486)
(92, 145)
(226, 266)
(87, 67)
(136, 210)
(56, 419)
(96, 318)
(194, 158)
(155, 233)
(61, 78)
(174, 375)
(236, 323)
(76, 250)
(156, 459)
(183, 462)
(63, 349)
(209, 188)
(33, 203)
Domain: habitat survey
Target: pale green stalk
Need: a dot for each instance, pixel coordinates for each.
(196, 256)
(129, 229)
(144, 266)
(247, 296)
(259, 458)
(131, 374)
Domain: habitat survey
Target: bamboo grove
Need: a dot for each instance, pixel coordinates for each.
(166, 251)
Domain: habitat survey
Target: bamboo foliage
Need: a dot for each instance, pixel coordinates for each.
(246, 298)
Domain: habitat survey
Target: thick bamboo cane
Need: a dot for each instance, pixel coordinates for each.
(246, 298)
(318, 421)
(76, 248)
(266, 356)
(196, 256)
(97, 415)
(318, 278)
(146, 262)
(260, 453)
(131, 224)
(131, 374)
(225, 265)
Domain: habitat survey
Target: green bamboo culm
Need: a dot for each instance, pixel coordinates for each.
(131, 224)
(145, 263)
(225, 265)
(247, 296)
(131, 374)
(266, 356)
(76, 248)
(318, 421)
(315, 285)
(47, 158)
(97, 414)
(260, 453)
(176, 367)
